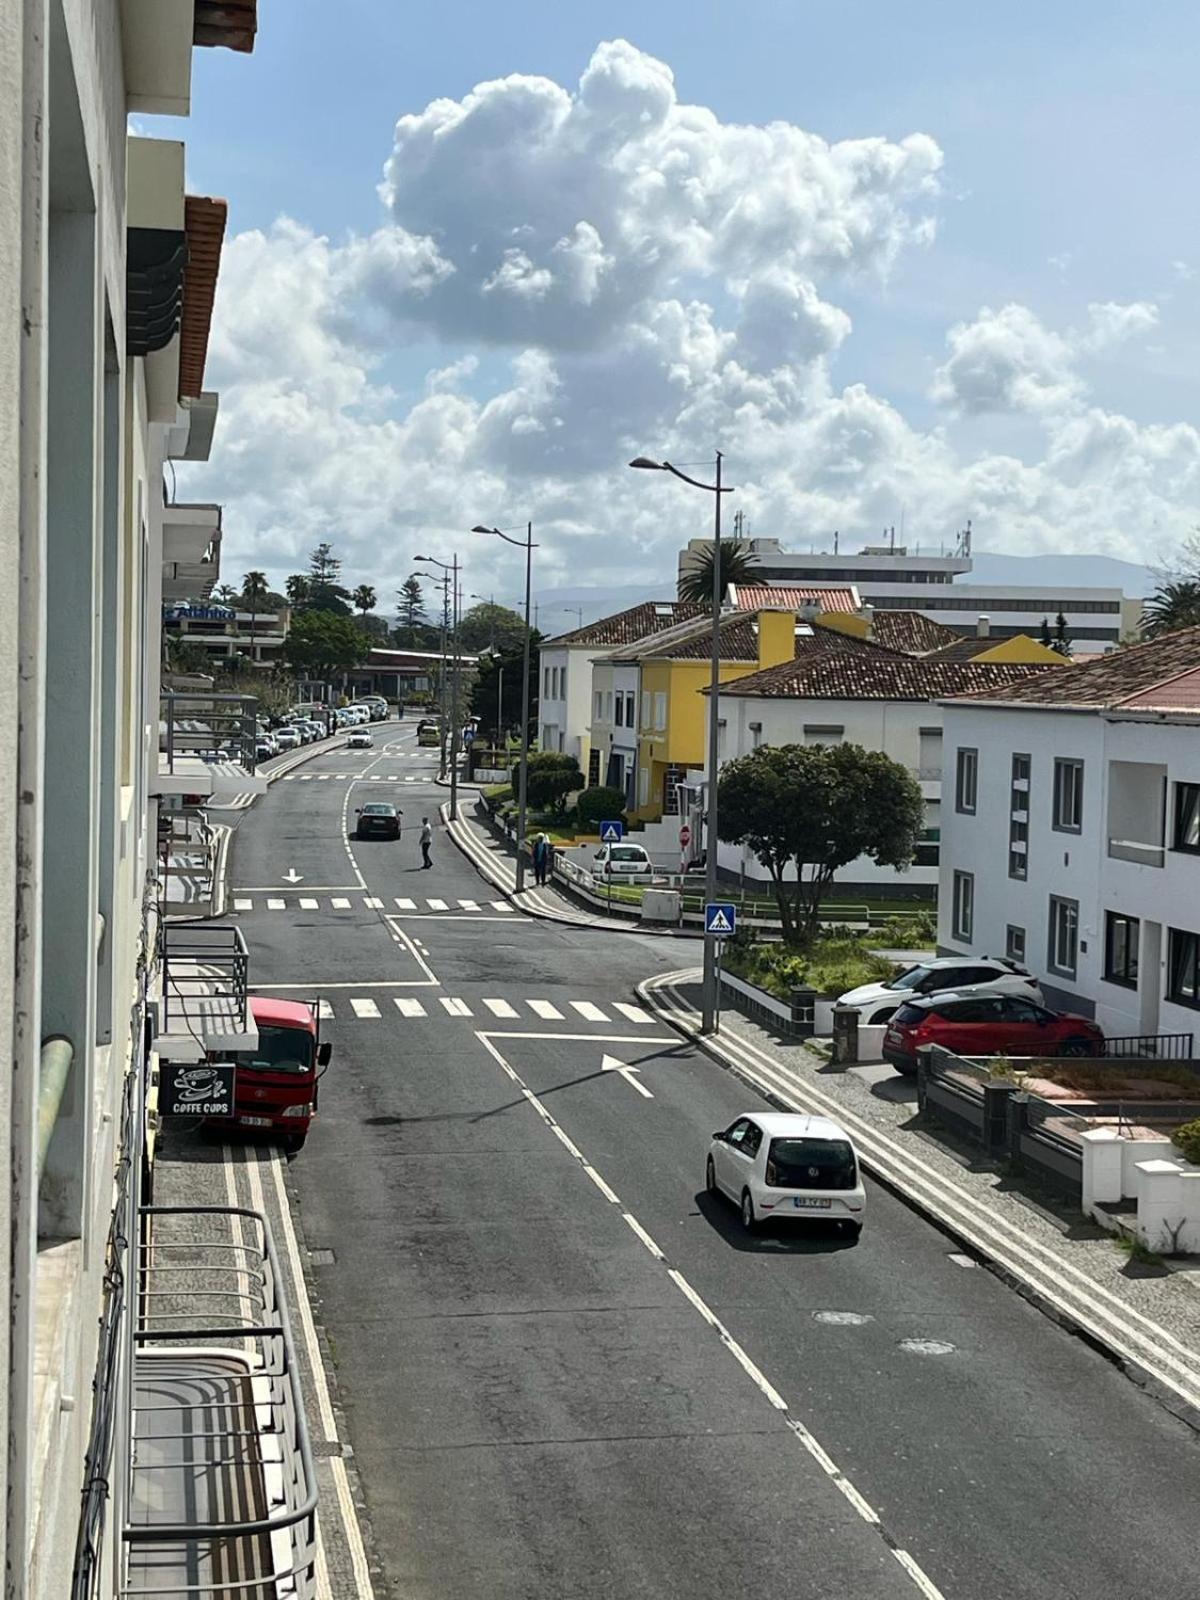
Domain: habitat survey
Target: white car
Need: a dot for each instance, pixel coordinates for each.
(287, 738)
(875, 1002)
(622, 861)
(360, 739)
(775, 1164)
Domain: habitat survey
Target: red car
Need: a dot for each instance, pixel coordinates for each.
(986, 1025)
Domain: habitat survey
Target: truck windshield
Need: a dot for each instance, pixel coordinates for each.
(279, 1050)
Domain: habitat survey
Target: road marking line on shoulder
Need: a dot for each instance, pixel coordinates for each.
(243, 905)
(308, 904)
(372, 902)
(364, 1008)
(340, 904)
(633, 1013)
(324, 1011)
(405, 904)
(589, 1011)
(454, 1006)
(500, 1008)
(469, 905)
(501, 905)
(544, 1008)
(276, 905)
(409, 1007)
(755, 1373)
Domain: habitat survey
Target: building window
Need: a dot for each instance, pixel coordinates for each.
(964, 905)
(1018, 820)
(966, 780)
(646, 703)
(597, 705)
(1068, 796)
(1187, 817)
(545, 683)
(1014, 943)
(643, 786)
(1183, 968)
(620, 711)
(823, 733)
(1063, 948)
(1121, 949)
(660, 710)
(629, 708)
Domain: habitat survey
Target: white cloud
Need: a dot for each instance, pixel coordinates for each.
(608, 271)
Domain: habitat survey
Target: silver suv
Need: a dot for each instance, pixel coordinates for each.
(875, 1002)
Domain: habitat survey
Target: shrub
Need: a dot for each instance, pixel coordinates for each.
(830, 964)
(913, 931)
(1187, 1141)
(552, 777)
(598, 805)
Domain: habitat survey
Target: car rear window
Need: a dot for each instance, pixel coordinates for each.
(626, 852)
(378, 811)
(907, 1014)
(812, 1164)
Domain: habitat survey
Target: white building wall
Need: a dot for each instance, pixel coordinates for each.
(565, 699)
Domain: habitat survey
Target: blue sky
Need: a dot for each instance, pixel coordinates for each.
(1065, 134)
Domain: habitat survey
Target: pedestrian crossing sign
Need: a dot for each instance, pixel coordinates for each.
(612, 832)
(720, 919)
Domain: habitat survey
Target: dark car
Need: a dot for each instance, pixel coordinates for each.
(377, 821)
(986, 1025)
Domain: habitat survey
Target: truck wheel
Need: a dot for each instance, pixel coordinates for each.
(293, 1143)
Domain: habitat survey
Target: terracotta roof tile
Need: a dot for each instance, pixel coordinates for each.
(229, 24)
(911, 631)
(627, 627)
(204, 226)
(873, 674)
(792, 596)
(739, 642)
(1119, 678)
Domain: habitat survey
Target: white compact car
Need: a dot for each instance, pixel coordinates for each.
(622, 861)
(360, 739)
(775, 1164)
(287, 738)
(875, 1002)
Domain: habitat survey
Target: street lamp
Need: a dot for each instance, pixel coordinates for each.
(528, 546)
(451, 571)
(717, 489)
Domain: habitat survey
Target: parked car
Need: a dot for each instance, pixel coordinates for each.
(782, 1165)
(377, 821)
(287, 738)
(360, 739)
(981, 1024)
(622, 861)
(877, 1002)
(264, 751)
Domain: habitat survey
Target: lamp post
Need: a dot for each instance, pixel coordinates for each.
(451, 571)
(717, 489)
(528, 546)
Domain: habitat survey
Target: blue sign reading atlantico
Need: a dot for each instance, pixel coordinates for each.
(183, 612)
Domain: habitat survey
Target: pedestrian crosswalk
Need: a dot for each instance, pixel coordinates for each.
(373, 902)
(344, 777)
(364, 1008)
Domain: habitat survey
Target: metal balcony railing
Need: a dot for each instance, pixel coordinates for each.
(199, 726)
(205, 971)
(222, 1491)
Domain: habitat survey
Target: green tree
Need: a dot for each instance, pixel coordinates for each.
(598, 805)
(183, 656)
(806, 810)
(321, 644)
(224, 593)
(1172, 606)
(1044, 635)
(364, 600)
(1062, 638)
(255, 590)
(410, 603)
(325, 592)
(553, 775)
(298, 589)
(497, 687)
(738, 564)
(488, 626)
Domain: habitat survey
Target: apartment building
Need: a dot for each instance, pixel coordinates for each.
(107, 274)
(226, 633)
(1071, 833)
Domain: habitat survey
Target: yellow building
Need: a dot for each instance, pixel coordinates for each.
(893, 628)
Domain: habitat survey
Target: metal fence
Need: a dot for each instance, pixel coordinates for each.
(1174, 1047)
(222, 1489)
(204, 967)
(207, 727)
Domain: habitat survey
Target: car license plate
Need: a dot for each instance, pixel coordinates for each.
(892, 1036)
(255, 1122)
(810, 1205)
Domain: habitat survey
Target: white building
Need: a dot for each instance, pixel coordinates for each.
(907, 579)
(840, 690)
(107, 271)
(1071, 836)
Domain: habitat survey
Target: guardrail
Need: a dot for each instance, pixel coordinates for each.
(222, 1489)
(209, 963)
(208, 727)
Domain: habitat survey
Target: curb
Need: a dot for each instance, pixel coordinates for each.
(1084, 1308)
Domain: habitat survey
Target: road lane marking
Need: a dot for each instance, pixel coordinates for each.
(588, 1011)
(324, 1011)
(611, 1064)
(402, 938)
(500, 1008)
(408, 1007)
(340, 904)
(469, 905)
(755, 1373)
(276, 905)
(437, 905)
(404, 904)
(373, 902)
(543, 1008)
(243, 905)
(633, 1013)
(456, 1008)
(501, 905)
(308, 904)
(364, 1008)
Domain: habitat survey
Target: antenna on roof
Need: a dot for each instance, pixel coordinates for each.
(835, 541)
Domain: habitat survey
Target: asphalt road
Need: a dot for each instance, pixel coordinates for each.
(566, 1371)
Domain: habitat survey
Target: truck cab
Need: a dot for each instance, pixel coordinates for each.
(275, 1084)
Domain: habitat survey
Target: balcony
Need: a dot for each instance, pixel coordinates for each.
(205, 1009)
(1137, 812)
(1143, 853)
(207, 745)
(222, 1492)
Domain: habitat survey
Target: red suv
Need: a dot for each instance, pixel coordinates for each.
(986, 1025)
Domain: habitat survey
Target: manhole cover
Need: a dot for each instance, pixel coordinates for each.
(842, 1319)
(321, 1258)
(927, 1347)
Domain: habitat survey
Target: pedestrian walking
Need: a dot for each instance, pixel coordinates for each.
(543, 855)
(426, 842)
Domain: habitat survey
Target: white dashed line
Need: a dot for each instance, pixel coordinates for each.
(409, 1008)
(437, 905)
(276, 905)
(403, 904)
(469, 905)
(309, 905)
(588, 1011)
(364, 1008)
(543, 1008)
(340, 904)
(500, 1008)
(634, 1013)
(243, 905)
(456, 1008)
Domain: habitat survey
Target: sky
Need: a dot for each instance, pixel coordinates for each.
(904, 266)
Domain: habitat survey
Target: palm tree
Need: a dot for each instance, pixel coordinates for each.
(737, 566)
(364, 600)
(225, 592)
(1172, 606)
(254, 591)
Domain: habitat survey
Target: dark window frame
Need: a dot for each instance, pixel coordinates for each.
(1062, 765)
(962, 766)
(1183, 951)
(1183, 790)
(1057, 900)
(1018, 860)
(1012, 954)
(1113, 972)
(960, 927)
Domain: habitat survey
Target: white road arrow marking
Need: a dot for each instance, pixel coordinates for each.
(292, 876)
(611, 1064)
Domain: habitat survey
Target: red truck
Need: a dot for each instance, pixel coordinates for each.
(275, 1086)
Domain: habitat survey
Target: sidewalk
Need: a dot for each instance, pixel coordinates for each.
(1146, 1317)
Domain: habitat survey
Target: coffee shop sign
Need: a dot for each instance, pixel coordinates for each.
(183, 612)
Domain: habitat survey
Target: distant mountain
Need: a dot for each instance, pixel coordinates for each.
(1083, 572)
